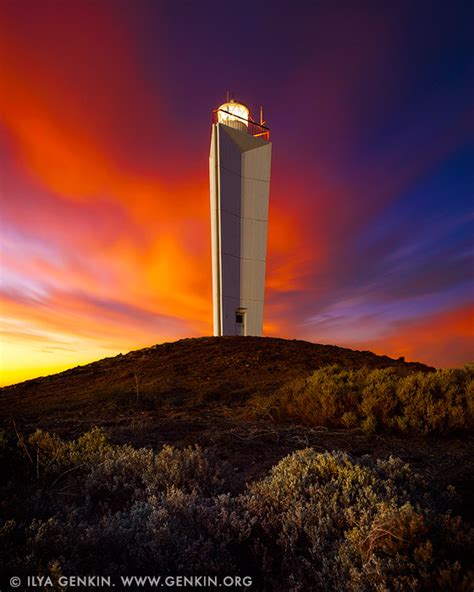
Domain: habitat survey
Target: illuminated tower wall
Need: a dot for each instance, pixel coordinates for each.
(240, 184)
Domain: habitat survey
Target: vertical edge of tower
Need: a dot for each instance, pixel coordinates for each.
(215, 232)
(230, 199)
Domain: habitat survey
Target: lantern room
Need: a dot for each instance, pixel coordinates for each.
(234, 114)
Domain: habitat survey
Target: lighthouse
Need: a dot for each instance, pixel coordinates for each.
(239, 166)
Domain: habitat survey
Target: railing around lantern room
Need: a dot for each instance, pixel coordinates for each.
(257, 130)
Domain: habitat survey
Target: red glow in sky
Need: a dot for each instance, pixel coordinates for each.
(104, 131)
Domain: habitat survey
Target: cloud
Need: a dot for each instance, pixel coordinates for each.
(443, 340)
(103, 143)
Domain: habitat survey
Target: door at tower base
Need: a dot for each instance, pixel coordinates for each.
(240, 183)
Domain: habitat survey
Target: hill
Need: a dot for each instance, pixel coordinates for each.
(185, 372)
(293, 480)
(206, 390)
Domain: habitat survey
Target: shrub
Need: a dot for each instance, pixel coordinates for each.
(171, 532)
(440, 402)
(323, 398)
(436, 402)
(326, 522)
(54, 455)
(122, 473)
(316, 522)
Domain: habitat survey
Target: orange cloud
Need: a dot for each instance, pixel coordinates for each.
(156, 265)
(441, 340)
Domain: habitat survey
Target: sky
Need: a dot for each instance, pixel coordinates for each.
(105, 115)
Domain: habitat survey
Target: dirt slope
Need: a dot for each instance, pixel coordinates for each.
(226, 369)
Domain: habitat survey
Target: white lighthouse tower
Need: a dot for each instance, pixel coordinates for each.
(239, 164)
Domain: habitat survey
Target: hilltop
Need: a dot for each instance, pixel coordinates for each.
(186, 372)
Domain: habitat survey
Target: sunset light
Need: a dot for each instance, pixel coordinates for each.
(105, 233)
(236, 295)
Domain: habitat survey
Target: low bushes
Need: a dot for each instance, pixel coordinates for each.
(440, 402)
(327, 522)
(316, 522)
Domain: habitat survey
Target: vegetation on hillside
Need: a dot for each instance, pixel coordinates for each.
(288, 508)
(317, 521)
(380, 399)
(207, 370)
